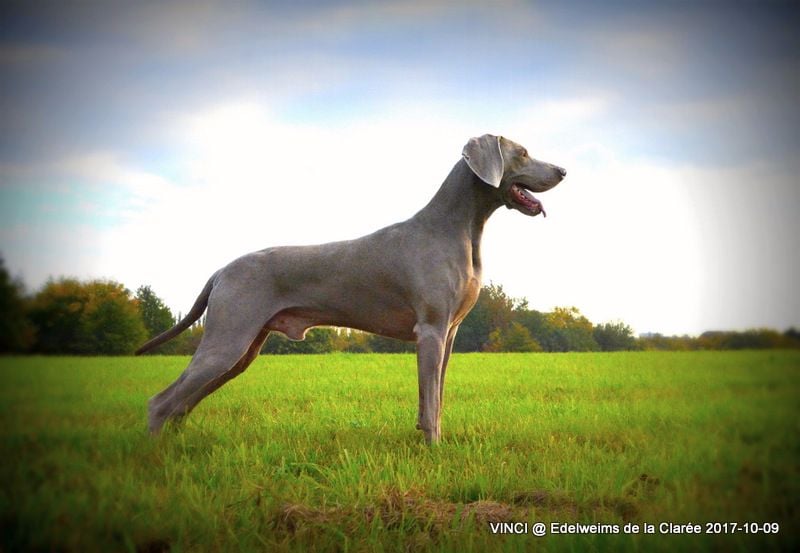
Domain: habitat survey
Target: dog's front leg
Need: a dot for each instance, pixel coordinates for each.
(430, 353)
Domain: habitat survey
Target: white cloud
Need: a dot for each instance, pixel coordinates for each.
(619, 243)
(250, 181)
(610, 242)
(666, 248)
(645, 50)
(37, 251)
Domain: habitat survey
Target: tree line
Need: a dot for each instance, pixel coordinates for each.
(102, 317)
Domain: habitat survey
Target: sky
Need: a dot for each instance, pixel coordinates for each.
(152, 143)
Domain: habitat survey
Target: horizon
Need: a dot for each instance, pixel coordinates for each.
(153, 144)
(519, 303)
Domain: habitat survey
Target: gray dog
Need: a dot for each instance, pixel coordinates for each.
(414, 280)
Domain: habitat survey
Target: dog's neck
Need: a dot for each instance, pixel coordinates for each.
(461, 207)
(463, 202)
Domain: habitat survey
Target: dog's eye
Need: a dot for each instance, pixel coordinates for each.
(524, 153)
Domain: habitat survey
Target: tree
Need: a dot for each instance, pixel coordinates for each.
(16, 332)
(156, 316)
(659, 342)
(535, 322)
(793, 337)
(184, 344)
(382, 344)
(351, 341)
(761, 338)
(97, 317)
(112, 319)
(494, 309)
(568, 330)
(516, 338)
(56, 312)
(614, 336)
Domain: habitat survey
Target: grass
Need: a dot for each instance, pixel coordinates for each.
(320, 453)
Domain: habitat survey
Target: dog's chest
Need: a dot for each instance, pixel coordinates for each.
(469, 296)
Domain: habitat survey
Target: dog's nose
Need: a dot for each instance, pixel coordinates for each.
(562, 171)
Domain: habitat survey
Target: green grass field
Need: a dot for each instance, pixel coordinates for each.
(309, 453)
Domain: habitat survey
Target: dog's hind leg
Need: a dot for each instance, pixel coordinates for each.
(224, 353)
(207, 372)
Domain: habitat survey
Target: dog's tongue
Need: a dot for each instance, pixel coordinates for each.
(528, 200)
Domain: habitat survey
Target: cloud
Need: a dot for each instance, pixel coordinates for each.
(644, 53)
(28, 54)
(665, 248)
(748, 228)
(617, 236)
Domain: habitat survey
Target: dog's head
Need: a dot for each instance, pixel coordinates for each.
(507, 166)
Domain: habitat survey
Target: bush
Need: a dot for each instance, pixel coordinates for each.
(614, 337)
(515, 338)
(96, 317)
(16, 332)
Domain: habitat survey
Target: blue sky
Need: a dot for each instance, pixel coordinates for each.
(152, 143)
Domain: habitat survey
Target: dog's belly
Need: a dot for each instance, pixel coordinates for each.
(295, 321)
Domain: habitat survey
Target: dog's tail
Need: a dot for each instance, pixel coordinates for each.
(197, 309)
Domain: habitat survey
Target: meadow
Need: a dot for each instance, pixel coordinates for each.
(319, 453)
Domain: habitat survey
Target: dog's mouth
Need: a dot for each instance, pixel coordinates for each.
(525, 201)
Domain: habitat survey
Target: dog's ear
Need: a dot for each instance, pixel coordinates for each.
(484, 157)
